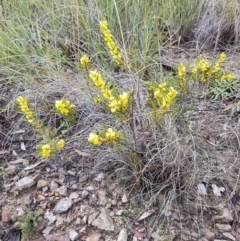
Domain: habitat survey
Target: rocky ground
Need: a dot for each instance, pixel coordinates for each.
(99, 209)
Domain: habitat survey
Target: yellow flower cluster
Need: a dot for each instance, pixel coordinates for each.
(64, 107)
(117, 56)
(228, 77)
(182, 74)
(25, 109)
(116, 103)
(165, 95)
(84, 61)
(121, 103)
(207, 71)
(47, 150)
(109, 136)
(97, 79)
(28, 113)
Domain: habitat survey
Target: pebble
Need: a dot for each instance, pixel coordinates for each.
(94, 237)
(73, 195)
(63, 205)
(73, 235)
(208, 234)
(229, 236)
(85, 193)
(24, 183)
(122, 235)
(101, 194)
(104, 221)
(99, 177)
(62, 191)
(59, 222)
(11, 170)
(124, 198)
(225, 217)
(223, 227)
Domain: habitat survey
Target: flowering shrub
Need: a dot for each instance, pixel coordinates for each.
(50, 144)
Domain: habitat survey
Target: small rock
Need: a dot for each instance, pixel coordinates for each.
(44, 189)
(73, 235)
(59, 222)
(63, 205)
(104, 221)
(114, 202)
(223, 227)
(40, 183)
(99, 177)
(94, 237)
(90, 188)
(208, 234)
(119, 213)
(124, 198)
(47, 230)
(135, 239)
(50, 217)
(101, 194)
(85, 193)
(92, 217)
(6, 215)
(54, 186)
(229, 236)
(82, 178)
(73, 195)
(11, 170)
(78, 221)
(122, 235)
(24, 183)
(62, 191)
(225, 217)
(85, 219)
(20, 211)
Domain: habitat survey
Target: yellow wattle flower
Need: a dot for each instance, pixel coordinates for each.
(60, 145)
(116, 54)
(25, 109)
(64, 107)
(45, 151)
(97, 79)
(84, 61)
(111, 135)
(95, 139)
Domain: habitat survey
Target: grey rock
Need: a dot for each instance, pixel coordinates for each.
(101, 194)
(208, 234)
(63, 191)
(85, 193)
(63, 205)
(225, 217)
(24, 183)
(229, 236)
(99, 177)
(94, 237)
(104, 221)
(11, 170)
(73, 235)
(122, 235)
(223, 227)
